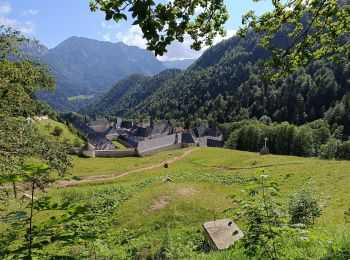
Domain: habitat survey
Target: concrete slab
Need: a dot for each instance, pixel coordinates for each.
(222, 233)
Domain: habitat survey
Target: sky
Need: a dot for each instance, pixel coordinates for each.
(51, 22)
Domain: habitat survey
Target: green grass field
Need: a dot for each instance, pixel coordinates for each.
(80, 97)
(202, 183)
(150, 211)
(119, 145)
(47, 126)
(333, 177)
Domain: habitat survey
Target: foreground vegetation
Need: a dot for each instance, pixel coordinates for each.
(140, 215)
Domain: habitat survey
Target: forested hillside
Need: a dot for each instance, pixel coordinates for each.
(129, 92)
(224, 85)
(83, 67)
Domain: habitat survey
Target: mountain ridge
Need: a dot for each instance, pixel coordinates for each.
(85, 66)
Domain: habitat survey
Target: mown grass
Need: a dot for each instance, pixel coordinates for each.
(119, 145)
(150, 211)
(80, 97)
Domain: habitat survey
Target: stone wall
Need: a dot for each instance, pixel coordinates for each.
(116, 153)
(185, 145)
(160, 144)
(89, 153)
(161, 149)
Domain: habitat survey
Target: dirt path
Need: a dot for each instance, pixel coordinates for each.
(223, 168)
(111, 176)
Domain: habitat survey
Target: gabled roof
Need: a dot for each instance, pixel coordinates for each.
(188, 138)
(161, 129)
(199, 131)
(112, 131)
(143, 131)
(214, 131)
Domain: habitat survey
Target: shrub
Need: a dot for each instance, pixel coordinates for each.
(77, 143)
(232, 140)
(264, 219)
(57, 131)
(330, 149)
(305, 205)
(343, 151)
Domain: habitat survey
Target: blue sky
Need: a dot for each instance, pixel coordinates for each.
(51, 22)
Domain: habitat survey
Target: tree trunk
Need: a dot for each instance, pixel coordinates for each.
(14, 189)
(30, 225)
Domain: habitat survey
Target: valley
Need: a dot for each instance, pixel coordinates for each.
(172, 130)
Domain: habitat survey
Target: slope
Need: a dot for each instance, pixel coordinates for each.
(129, 92)
(223, 85)
(83, 66)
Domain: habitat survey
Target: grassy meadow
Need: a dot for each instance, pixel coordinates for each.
(47, 126)
(150, 210)
(149, 213)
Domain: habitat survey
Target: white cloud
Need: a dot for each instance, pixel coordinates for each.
(107, 37)
(180, 51)
(30, 12)
(5, 8)
(107, 25)
(219, 38)
(7, 22)
(26, 27)
(176, 50)
(132, 37)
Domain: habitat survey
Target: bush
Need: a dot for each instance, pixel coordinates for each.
(232, 140)
(77, 143)
(305, 205)
(57, 131)
(330, 149)
(343, 151)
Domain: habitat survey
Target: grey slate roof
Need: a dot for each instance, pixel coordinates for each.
(161, 129)
(127, 124)
(97, 139)
(199, 131)
(143, 131)
(214, 131)
(188, 138)
(112, 131)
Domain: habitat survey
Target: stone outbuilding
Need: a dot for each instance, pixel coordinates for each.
(221, 234)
